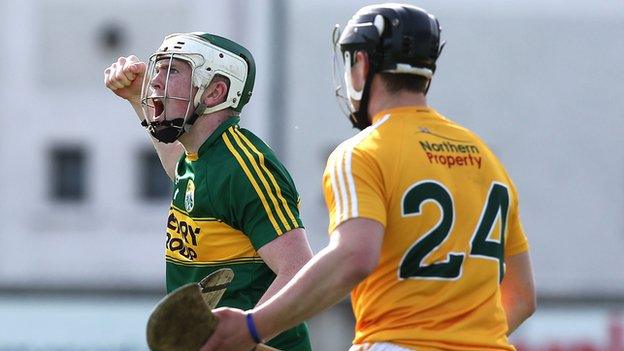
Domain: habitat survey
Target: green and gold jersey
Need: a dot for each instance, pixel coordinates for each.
(229, 200)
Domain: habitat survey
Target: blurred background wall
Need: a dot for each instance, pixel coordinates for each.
(85, 200)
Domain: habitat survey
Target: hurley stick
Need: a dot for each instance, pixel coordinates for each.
(183, 320)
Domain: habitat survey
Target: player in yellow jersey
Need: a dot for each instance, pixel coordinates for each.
(424, 222)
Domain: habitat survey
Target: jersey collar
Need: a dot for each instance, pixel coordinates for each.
(405, 110)
(217, 133)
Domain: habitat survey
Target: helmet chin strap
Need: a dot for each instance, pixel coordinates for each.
(352, 93)
(165, 131)
(359, 118)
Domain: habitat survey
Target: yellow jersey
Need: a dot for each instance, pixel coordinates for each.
(450, 213)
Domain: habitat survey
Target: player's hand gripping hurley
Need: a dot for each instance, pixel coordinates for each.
(183, 320)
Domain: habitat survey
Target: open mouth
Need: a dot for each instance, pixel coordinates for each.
(159, 107)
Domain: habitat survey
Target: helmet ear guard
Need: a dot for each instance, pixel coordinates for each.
(397, 38)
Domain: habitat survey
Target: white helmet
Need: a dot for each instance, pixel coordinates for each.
(208, 55)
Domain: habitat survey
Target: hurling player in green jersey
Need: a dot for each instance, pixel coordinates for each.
(234, 204)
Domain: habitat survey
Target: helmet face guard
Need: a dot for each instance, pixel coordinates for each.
(340, 79)
(208, 55)
(165, 129)
(345, 50)
(397, 38)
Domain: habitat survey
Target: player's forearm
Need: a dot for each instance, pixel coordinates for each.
(167, 153)
(518, 290)
(138, 110)
(280, 281)
(321, 283)
(285, 266)
(517, 313)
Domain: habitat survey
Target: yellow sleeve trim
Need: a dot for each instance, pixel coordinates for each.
(273, 181)
(267, 187)
(192, 156)
(203, 219)
(265, 204)
(241, 260)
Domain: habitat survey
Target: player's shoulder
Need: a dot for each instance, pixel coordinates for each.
(367, 140)
(252, 160)
(243, 143)
(354, 145)
(459, 127)
(469, 139)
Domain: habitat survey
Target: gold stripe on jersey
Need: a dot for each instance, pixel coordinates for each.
(196, 219)
(265, 204)
(262, 178)
(244, 260)
(192, 156)
(204, 241)
(271, 177)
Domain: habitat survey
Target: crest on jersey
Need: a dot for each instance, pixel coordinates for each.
(189, 197)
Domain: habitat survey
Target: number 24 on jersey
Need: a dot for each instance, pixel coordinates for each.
(480, 246)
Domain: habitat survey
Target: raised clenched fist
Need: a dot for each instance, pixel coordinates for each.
(124, 78)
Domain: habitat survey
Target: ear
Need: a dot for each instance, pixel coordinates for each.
(215, 93)
(359, 71)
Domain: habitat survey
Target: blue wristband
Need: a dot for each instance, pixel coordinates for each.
(252, 328)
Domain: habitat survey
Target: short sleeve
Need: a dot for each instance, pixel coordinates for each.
(263, 197)
(353, 187)
(517, 241)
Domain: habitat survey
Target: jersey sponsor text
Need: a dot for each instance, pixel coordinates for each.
(435, 155)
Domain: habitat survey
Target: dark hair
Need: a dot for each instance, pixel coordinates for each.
(222, 78)
(396, 82)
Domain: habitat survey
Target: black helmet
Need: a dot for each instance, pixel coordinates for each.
(398, 38)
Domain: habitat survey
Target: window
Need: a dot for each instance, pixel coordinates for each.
(67, 173)
(111, 36)
(154, 184)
